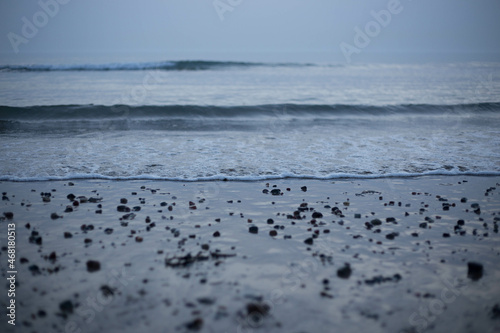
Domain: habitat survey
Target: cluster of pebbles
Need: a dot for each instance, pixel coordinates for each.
(154, 218)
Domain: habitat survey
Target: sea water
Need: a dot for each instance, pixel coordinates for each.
(206, 120)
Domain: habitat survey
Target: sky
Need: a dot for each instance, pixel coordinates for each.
(258, 30)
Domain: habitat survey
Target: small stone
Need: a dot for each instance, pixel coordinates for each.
(123, 200)
(108, 231)
(71, 196)
(423, 225)
(495, 312)
(54, 216)
(446, 235)
(46, 199)
(344, 272)
(309, 241)
(195, 325)
(392, 235)
(123, 208)
(8, 215)
(216, 234)
(317, 215)
(66, 307)
(68, 234)
(475, 270)
(276, 191)
(464, 200)
(304, 188)
(357, 216)
(270, 221)
(376, 222)
(253, 229)
(273, 233)
(68, 209)
(93, 266)
(138, 239)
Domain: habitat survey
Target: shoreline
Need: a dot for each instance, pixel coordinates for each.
(251, 178)
(229, 256)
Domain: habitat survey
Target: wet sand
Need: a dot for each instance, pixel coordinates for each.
(350, 255)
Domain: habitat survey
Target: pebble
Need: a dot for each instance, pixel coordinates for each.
(123, 209)
(475, 270)
(66, 307)
(253, 229)
(93, 266)
(317, 215)
(344, 272)
(8, 215)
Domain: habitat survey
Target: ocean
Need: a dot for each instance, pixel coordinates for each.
(214, 120)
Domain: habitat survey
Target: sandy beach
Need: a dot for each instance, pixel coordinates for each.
(291, 255)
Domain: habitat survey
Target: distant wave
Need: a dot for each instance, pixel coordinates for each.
(182, 65)
(98, 112)
(250, 178)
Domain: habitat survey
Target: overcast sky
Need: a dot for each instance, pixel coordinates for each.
(277, 30)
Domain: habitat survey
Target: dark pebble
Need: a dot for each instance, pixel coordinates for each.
(66, 307)
(276, 191)
(195, 325)
(304, 188)
(68, 209)
(495, 312)
(253, 229)
(216, 234)
(54, 216)
(270, 221)
(273, 233)
(376, 222)
(122, 208)
(123, 200)
(309, 241)
(8, 215)
(68, 234)
(446, 235)
(392, 235)
(93, 266)
(71, 196)
(475, 270)
(344, 272)
(317, 215)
